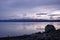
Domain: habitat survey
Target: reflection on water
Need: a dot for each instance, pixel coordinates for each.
(21, 28)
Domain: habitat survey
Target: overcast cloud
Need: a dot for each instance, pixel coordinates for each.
(11, 9)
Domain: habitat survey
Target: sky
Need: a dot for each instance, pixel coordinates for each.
(30, 9)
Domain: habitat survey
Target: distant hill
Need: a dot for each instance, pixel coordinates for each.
(29, 20)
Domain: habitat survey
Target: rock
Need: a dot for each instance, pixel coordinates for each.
(49, 28)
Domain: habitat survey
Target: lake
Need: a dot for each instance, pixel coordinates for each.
(22, 28)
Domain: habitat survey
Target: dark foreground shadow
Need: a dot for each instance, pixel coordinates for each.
(50, 34)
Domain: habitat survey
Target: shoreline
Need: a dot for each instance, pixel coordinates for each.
(35, 36)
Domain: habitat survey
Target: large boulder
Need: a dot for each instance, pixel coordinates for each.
(49, 28)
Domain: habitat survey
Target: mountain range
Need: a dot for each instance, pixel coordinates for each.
(29, 20)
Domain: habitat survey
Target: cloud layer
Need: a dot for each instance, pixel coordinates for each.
(11, 9)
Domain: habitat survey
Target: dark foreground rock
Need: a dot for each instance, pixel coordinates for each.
(50, 34)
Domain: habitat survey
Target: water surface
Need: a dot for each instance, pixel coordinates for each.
(22, 28)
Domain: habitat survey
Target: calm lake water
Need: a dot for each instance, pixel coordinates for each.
(22, 28)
